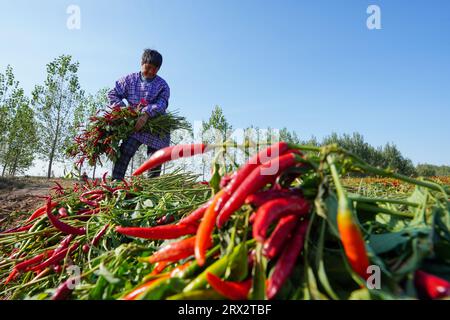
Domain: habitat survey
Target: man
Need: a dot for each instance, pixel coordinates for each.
(146, 86)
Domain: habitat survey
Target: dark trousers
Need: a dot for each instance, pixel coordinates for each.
(127, 150)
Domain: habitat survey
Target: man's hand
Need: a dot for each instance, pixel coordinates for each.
(141, 121)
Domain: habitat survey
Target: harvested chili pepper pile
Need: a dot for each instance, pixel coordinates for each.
(108, 127)
(281, 226)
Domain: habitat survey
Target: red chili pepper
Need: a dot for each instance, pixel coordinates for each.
(61, 226)
(159, 267)
(64, 243)
(431, 286)
(271, 152)
(229, 289)
(259, 198)
(352, 239)
(58, 188)
(65, 289)
(170, 153)
(169, 231)
(206, 228)
(27, 263)
(275, 243)
(175, 271)
(55, 258)
(85, 248)
(274, 210)
(12, 276)
(62, 212)
(104, 177)
(39, 212)
(286, 262)
(226, 179)
(17, 229)
(165, 220)
(99, 235)
(83, 196)
(195, 215)
(174, 251)
(256, 180)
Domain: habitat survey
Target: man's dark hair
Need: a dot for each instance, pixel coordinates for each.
(152, 57)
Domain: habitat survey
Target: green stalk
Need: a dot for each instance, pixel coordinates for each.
(375, 209)
(359, 198)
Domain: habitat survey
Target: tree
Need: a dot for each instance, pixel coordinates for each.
(22, 137)
(8, 86)
(18, 134)
(288, 136)
(54, 104)
(429, 170)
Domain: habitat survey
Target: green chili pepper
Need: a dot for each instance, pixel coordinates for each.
(197, 295)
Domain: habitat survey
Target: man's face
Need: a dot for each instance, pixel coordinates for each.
(148, 70)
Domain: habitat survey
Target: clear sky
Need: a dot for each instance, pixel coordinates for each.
(312, 66)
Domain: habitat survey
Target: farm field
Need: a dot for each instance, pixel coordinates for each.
(173, 237)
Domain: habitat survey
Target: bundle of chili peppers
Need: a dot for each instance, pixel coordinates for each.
(106, 129)
(281, 226)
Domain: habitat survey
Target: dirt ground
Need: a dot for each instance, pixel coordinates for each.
(19, 196)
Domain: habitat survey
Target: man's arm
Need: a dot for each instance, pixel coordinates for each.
(161, 103)
(119, 92)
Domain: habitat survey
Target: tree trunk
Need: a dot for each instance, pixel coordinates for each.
(93, 173)
(14, 167)
(3, 171)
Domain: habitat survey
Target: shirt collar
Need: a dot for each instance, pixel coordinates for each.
(144, 79)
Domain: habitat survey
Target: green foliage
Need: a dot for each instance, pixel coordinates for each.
(18, 136)
(429, 170)
(384, 157)
(55, 104)
(216, 124)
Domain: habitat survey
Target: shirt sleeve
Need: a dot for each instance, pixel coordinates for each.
(119, 92)
(161, 103)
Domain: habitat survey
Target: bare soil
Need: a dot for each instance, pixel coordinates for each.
(20, 196)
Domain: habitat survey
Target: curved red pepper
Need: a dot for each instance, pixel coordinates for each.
(274, 210)
(170, 231)
(174, 251)
(206, 227)
(61, 226)
(195, 215)
(256, 180)
(431, 286)
(170, 153)
(99, 235)
(271, 152)
(39, 212)
(286, 262)
(259, 198)
(274, 244)
(229, 289)
(56, 257)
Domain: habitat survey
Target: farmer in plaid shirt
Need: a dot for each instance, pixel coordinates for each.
(137, 87)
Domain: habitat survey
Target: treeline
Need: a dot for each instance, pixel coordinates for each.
(387, 156)
(429, 170)
(42, 124)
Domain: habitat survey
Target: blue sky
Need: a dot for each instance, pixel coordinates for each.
(311, 66)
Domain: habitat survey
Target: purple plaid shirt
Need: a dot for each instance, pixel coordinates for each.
(156, 92)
